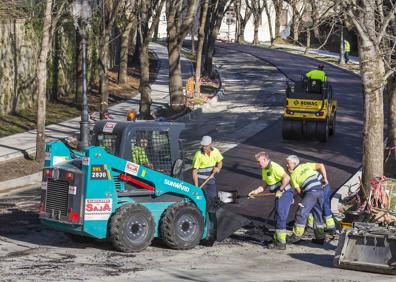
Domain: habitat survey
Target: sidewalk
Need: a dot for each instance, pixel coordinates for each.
(24, 144)
(353, 59)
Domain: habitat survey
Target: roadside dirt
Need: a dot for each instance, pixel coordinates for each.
(19, 167)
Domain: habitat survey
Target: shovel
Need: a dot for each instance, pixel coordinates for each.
(206, 180)
(232, 197)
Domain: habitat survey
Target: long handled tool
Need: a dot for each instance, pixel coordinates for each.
(232, 197)
(206, 180)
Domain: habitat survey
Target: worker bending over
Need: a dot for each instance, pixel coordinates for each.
(317, 73)
(207, 162)
(276, 180)
(327, 214)
(303, 177)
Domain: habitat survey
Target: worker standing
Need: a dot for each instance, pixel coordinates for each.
(347, 50)
(303, 177)
(207, 162)
(317, 73)
(276, 180)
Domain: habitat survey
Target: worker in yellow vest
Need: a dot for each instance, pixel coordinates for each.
(303, 178)
(347, 50)
(139, 154)
(276, 180)
(317, 73)
(207, 162)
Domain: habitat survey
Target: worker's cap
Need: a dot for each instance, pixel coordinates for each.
(206, 140)
(294, 159)
(321, 67)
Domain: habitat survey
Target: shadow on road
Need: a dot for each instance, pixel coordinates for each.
(318, 259)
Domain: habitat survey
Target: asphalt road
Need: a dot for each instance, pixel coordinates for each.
(341, 154)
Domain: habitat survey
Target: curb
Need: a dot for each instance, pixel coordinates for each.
(21, 181)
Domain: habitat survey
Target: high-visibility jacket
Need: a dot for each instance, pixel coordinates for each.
(139, 155)
(272, 176)
(206, 162)
(347, 46)
(317, 74)
(305, 177)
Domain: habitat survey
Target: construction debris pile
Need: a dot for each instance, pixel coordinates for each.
(376, 205)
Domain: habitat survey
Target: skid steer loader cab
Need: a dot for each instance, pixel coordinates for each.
(148, 143)
(310, 110)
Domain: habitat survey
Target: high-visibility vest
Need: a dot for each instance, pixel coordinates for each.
(317, 74)
(347, 46)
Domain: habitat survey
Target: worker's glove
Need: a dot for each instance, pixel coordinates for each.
(252, 194)
(325, 182)
(278, 194)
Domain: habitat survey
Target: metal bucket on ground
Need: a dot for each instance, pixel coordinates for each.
(367, 247)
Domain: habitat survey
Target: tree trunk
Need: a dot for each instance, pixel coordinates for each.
(308, 46)
(241, 34)
(156, 29)
(201, 38)
(175, 80)
(78, 66)
(144, 88)
(15, 65)
(42, 82)
(238, 20)
(267, 12)
(391, 158)
(216, 23)
(136, 53)
(55, 63)
(193, 49)
(103, 66)
(296, 28)
(373, 129)
(256, 29)
(278, 10)
(179, 22)
(123, 68)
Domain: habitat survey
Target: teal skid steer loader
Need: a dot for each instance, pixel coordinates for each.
(127, 188)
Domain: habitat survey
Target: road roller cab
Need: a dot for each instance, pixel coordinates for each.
(310, 110)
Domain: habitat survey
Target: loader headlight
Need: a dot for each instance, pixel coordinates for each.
(48, 172)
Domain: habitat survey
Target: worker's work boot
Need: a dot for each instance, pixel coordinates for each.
(293, 239)
(275, 245)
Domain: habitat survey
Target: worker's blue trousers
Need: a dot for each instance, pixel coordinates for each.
(282, 207)
(210, 192)
(312, 202)
(327, 214)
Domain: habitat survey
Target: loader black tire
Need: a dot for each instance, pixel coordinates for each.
(182, 226)
(332, 126)
(131, 228)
